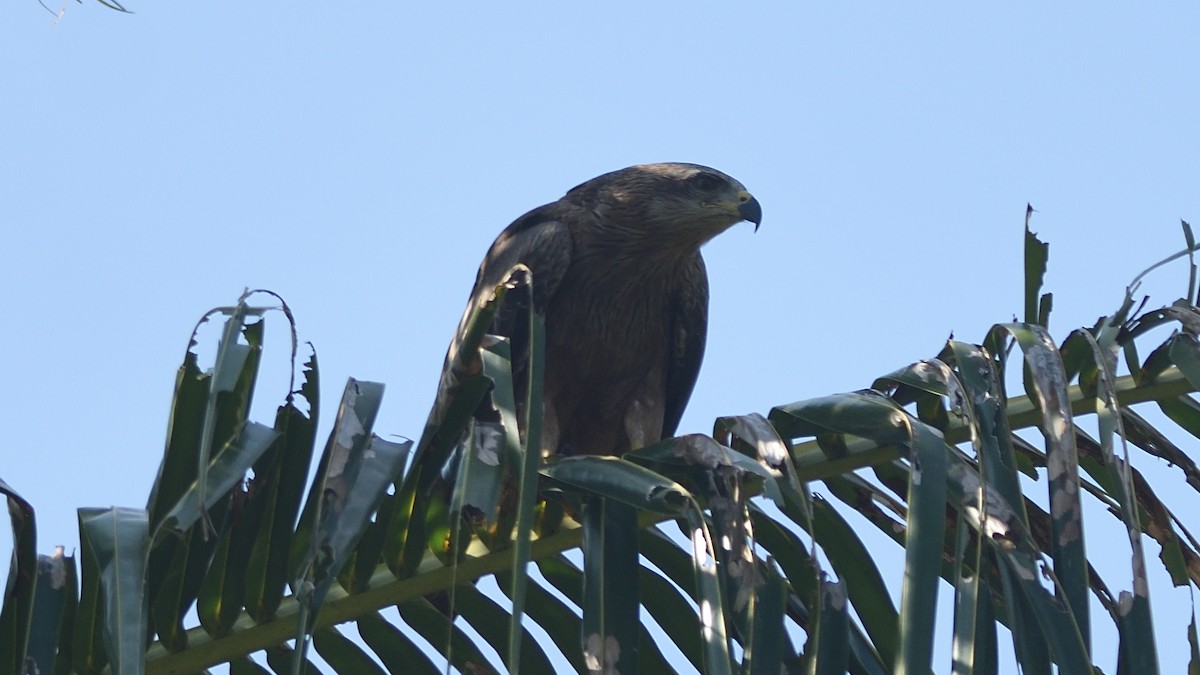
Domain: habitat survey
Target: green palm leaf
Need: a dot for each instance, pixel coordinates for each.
(735, 552)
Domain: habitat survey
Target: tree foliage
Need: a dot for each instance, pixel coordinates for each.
(464, 548)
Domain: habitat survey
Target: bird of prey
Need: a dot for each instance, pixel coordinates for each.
(618, 276)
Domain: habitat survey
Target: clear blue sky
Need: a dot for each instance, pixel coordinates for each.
(358, 159)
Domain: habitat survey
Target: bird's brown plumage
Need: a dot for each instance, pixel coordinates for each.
(617, 272)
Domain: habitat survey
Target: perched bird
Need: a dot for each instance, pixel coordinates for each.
(617, 273)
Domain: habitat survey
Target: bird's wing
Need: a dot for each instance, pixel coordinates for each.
(539, 242)
(689, 324)
(543, 244)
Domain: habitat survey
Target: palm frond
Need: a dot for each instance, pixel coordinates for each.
(716, 542)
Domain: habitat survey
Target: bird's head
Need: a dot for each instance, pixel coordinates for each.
(687, 203)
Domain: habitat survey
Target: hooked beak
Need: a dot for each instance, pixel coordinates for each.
(749, 209)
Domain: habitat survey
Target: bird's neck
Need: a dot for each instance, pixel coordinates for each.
(646, 258)
(648, 246)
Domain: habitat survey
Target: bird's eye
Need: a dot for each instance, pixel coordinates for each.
(706, 182)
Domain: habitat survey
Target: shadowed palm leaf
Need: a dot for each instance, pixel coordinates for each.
(744, 568)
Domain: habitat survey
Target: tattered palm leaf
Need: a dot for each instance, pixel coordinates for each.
(737, 566)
